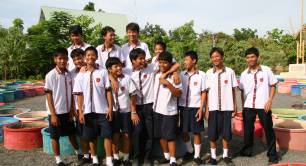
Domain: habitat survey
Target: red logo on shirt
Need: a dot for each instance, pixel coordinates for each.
(195, 83)
(145, 76)
(261, 79)
(98, 79)
(122, 88)
(225, 81)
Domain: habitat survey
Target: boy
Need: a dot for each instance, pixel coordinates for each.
(125, 103)
(77, 56)
(95, 103)
(76, 37)
(192, 105)
(108, 48)
(166, 95)
(132, 30)
(58, 90)
(257, 85)
(221, 83)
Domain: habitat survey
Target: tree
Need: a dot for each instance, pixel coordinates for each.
(244, 34)
(151, 34)
(89, 7)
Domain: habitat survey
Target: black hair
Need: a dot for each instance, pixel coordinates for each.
(135, 53)
(133, 27)
(252, 50)
(162, 44)
(76, 29)
(77, 52)
(165, 56)
(107, 29)
(112, 61)
(218, 50)
(91, 48)
(192, 54)
(61, 52)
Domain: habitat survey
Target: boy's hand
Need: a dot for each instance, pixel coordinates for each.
(135, 118)
(176, 78)
(54, 120)
(109, 115)
(234, 113)
(83, 69)
(163, 81)
(268, 106)
(81, 118)
(199, 115)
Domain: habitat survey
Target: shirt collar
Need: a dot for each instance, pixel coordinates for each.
(73, 46)
(60, 72)
(113, 48)
(195, 72)
(138, 44)
(223, 69)
(258, 69)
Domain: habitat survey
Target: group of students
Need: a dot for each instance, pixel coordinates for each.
(120, 93)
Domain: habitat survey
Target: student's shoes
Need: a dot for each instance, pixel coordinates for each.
(212, 161)
(127, 163)
(188, 156)
(173, 164)
(197, 161)
(245, 153)
(61, 164)
(163, 161)
(116, 162)
(227, 160)
(84, 161)
(273, 160)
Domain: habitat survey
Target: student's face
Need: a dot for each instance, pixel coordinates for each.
(252, 60)
(132, 35)
(110, 37)
(216, 59)
(78, 61)
(189, 62)
(90, 57)
(116, 70)
(61, 61)
(76, 38)
(158, 49)
(164, 66)
(139, 62)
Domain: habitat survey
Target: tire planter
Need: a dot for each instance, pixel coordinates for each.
(289, 164)
(2, 104)
(15, 111)
(19, 94)
(290, 134)
(302, 117)
(237, 126)
(29, 92)
(303, 92)
(40, 90)
(6, 107)
(23, 135)
(1, 97)
(5, 121)
(32, 116)
(8, 96)
(65, 146)
(284, 88)
(284, 113)
(296, 89)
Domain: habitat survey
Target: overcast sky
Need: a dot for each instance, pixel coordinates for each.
(213, 15)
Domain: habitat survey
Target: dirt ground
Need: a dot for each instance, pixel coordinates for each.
(38, 158)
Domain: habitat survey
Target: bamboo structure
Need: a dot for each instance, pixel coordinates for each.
(300, 46)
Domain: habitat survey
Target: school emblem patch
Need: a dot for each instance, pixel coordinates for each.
(225, 81)
(145, 76)
(122, 88)
(195, 83)
(98, 79)
(261, 79)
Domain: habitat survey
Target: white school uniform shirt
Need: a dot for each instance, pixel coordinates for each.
(164, 102)
(155, 62)
(256, 86)
(104, 54)
(60, 84)
(74, 72)
(122, 98)
(194, 84)
(93, 86)
(71, 65)
(127, 48)
(219, 86)
(144, 80)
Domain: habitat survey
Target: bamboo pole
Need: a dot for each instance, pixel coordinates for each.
(303, 51)
(301, 31)
(297, 52)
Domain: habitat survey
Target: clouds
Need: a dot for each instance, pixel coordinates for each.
(217, 15)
